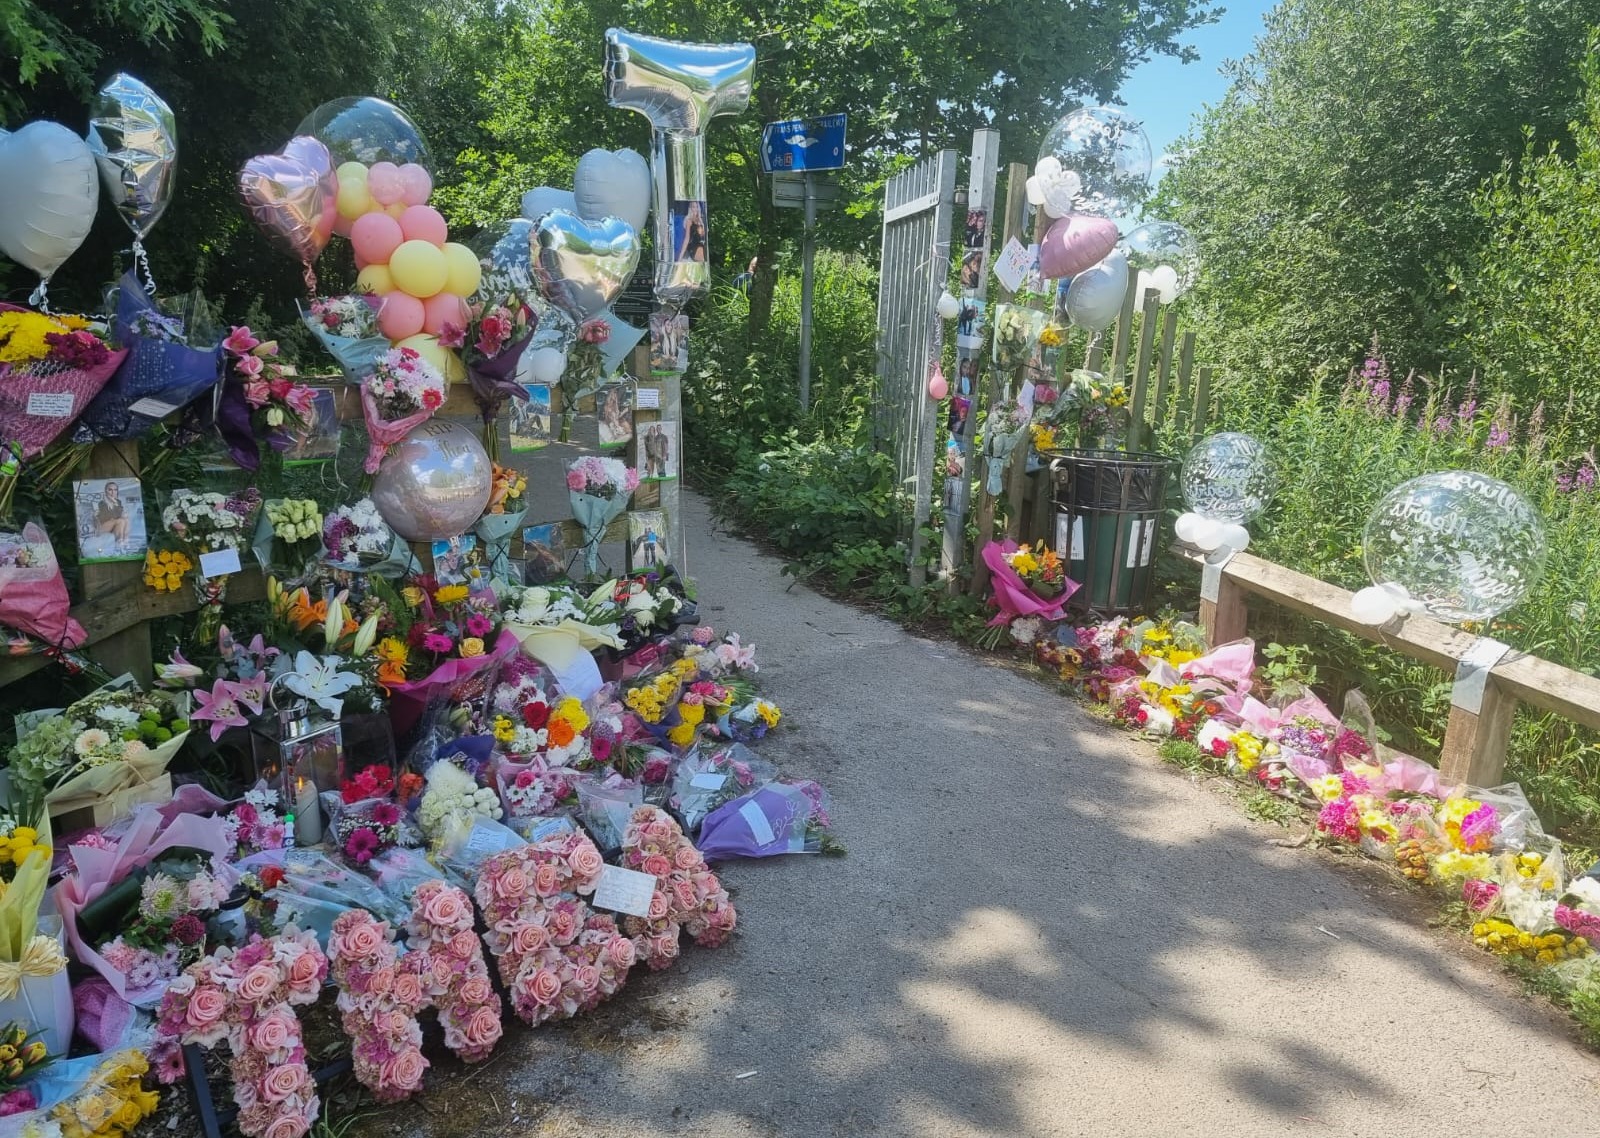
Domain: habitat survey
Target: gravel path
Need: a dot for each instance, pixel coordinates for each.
(1039, 930)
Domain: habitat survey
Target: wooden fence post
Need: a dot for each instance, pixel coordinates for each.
(1222, 609)
(1182, 410)
(1202, 401)
(1169, 331)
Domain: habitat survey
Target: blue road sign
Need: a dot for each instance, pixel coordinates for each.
(803, 144)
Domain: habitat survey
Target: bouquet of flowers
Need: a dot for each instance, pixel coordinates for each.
(1096, 408)
(781, 817)
(20, 1060)
(585, 369)
(260, 398)
(355, 538)
(1016, 334)
(348, 327)
(1026, 584)
(492, 345)
(51, 367)
(453, 796)
(502, 518)
(649, 605)
(210, 523)
(599, 489)
(401, 394)
(156, 920)
(289, 532)
(1008, 422)
(34, 604)
(257, 823)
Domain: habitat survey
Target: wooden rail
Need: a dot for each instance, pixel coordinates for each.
(1479, 729)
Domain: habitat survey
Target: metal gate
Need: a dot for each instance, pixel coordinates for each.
(917, 208)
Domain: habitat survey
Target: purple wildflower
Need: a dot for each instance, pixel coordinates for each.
(1499, 436)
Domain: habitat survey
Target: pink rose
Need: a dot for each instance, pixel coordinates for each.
(588, 977)
(287, 1126)
(381, 982)
(529, 939)
(684, 894)
(408, 990)
(547, 880)
(282, 1081)
(259, 983)
(464, 945)
(563, 926)
(268, 1034)
(360, 940)
(659, 907)
(474, 990)
(403, 1072)
(620, 953)
(687, 857)
(484, 1028)
(544, 986)
(657, 865)
(306, 970)
(205, 1008)
(664, 946)
(586, 862)
(511, 884)
(446, 909)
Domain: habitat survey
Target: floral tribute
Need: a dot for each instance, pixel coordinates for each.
(247, 998)
(400, 395)
(380, 995)
(439, 932)
(555, 956)
(688, 897)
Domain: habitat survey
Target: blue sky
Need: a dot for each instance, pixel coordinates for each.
(1167, 94)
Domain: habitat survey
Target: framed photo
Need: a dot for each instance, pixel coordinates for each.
(319, 442)
(970, 323)
(545, 554)
(647, 539)
(669, 343)
(451, 558)
(688, 219)
(613, 406)
(110, 516)
(658, 451)
(530, 419)
(977, 228)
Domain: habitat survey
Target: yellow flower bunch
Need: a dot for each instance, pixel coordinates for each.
(1328, 787)
(768, 712)
(504, 729)
(681, 735)
(571, 709)
(1023, 561)
(1053, 336)
(1044, 437)
(1528, 866)
(22, 841)
(1453, 865)
(1504, 939)
(112, 1103)
(1455, 811)
(650, 701)
(22, 334)
(1117, 397)
(1378, 825)
(450, 594)
(164, 571)
(685, 669)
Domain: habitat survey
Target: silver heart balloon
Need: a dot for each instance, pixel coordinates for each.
(582, 266)
(135, 142)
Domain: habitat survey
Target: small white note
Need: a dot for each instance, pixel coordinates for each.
(51, 404)
(220, 563)
(1013, 265)
(760, 828)
(153, 408)
(647, 398)
(625, 891)
(711, 780)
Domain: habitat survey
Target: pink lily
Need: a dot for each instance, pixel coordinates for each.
(179, 673)
(252, 693)
(220, 707)
(241, 340)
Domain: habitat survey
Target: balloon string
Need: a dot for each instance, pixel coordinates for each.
(40, 297)
(141, 260)
(311, 280)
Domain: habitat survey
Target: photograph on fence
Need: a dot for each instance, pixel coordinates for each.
(658, 451)
(647, 539)
(613, 405)
(110, 516)
(545, 554)
(669, 343)
(530, 419)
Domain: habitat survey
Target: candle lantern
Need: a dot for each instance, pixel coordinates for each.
(300, 758)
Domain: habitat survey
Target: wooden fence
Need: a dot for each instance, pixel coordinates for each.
(117, 607)
(1489, 684)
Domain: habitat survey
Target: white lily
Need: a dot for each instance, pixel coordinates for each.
(318, 679)
(334, 625)
(366, 635)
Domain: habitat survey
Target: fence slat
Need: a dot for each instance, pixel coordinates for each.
(1169, 329)
(1181, 412)
(1202, 401)
(1119, 350)
(1137, 431)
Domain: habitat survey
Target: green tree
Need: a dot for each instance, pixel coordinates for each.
(1333, 186)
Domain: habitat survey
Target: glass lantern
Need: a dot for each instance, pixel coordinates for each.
(300, 760)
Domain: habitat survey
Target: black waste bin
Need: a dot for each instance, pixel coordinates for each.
(1108, 514)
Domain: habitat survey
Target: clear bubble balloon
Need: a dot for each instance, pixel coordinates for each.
(504, 255)
(1166, 251)
(1462, 545)
(1228, 477)
(1110, 154)
(368, 130)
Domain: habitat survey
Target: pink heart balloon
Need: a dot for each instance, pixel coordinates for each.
(1075, 243)
(304, 148)
(285, 198)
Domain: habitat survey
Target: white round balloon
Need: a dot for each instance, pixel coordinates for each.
(1108, 153)
(1094, 298)
(50, 188)
(1228, 477)
(1463, 546)
(542, 365)
(1167, 252)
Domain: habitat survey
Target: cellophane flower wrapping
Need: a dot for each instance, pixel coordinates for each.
(384, 433)
(30, 419)
(356, 354)
(779, 818)
(1012, 596)
(173, 357)
(594, 514)
(409, 700)
(33, 596)
(497, 530)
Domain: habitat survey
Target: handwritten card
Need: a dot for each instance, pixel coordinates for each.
(1014, 264)
(647, 399)
(625, 891)
(152, 408)
(50, 404)
(220, 563)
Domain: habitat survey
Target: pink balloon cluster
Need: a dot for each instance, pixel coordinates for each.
(402, 249)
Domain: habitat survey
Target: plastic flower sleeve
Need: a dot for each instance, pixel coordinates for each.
(384, 433)
(31, 411)
(357, 356)
(33, 595)
(497, 530)
(605, 809)
(594, 514)
(777, 819)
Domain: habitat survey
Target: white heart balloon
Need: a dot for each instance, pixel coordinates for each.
(613, 183)
(1095, 296)
(542, 199)
(50, 189)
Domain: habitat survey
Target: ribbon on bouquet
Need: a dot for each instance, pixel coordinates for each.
(42, 957)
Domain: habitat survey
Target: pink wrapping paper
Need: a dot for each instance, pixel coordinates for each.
(34, 432)
(409, 700)
(1232, 663)
(1012, 597)
(34, 599)
(384, 433)
(147, 836)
